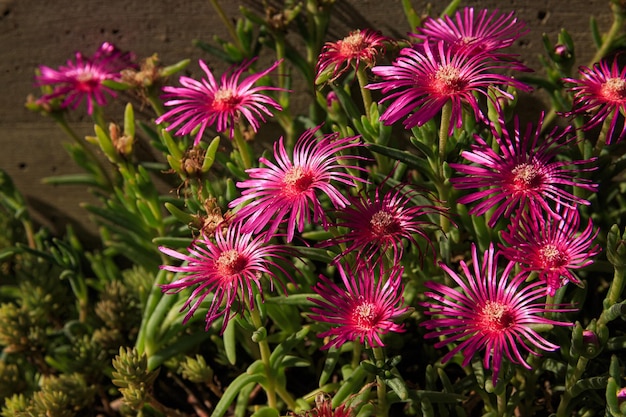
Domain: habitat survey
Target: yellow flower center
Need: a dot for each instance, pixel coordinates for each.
(230, 262)
(364, 315)
(614, 89)
(224, 100)
(383, 223)
(526, 176)
(495, 317)
(352, 44)
(297, 180)
(448, 81)
(551, 256)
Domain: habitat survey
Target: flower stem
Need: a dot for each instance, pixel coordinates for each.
(229, 26)
(365, 93)
(575, 375)
(381, 388)
(243, 148)
(264, 349)
(446, 116)
(104, 176)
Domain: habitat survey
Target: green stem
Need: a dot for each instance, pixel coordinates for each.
(381, 388)
(501, 399)
(614, 294)
(616, 27)
(356, 354)
(597, 150)
(264, 349)
(229, 26)
(243, 148)
(60, 120)
(577, 372)
(365, 93)
(446, 116)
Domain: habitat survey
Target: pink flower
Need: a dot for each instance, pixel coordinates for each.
(601, 90)
(324, 408)
(360, 46)
(469, 33)
(552, 247)
(364, 309)
(381, 223)
(228, 267)
(84, 78)
(289, 187)
(489, 311)
(207, 102)
(422, 79)
(522, 174)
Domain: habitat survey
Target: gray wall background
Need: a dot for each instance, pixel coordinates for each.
(34, 32)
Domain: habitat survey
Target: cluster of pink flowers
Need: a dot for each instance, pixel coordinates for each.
(510, 175)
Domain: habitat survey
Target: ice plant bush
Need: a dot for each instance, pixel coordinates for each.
(400, 247)
(430, 75)
(227, 266)
(522, 175)
(491, 310)
(288, 188)
(364, 309)
(552, 247)
(601, 93)
(84, 78)
(198, 104)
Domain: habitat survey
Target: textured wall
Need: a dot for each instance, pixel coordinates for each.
(47, 32)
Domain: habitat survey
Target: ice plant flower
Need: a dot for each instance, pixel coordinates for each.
(424, 78)
(523, 174)
(488, 310)
(363, 309)
(360, 46)
(470, 32)
(83, 79)
(380, 223)
(288, 188)
(549, 246)
(229, 266)
(600, 91)
(209, 102)
(324, 408)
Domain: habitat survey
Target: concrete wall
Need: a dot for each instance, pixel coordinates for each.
(34, 32)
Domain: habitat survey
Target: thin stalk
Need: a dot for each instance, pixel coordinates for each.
(228, 24)
(601, 142)
(446, 116)
(264, 350)
(501, 401)
(616, 27)
(243, 148)
(361, 76)
(381, 388)
(80, 142)
(577, 372)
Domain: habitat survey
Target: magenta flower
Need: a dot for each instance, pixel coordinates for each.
(601, 90)
(364, 309)
(228, 267)
(551, 247)
(207, 102)
(360, 46)
(288, 188)
(84, 78)
(468, 32)
(381, 223)
(424, 78)
(522, 174)
(489, 311)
